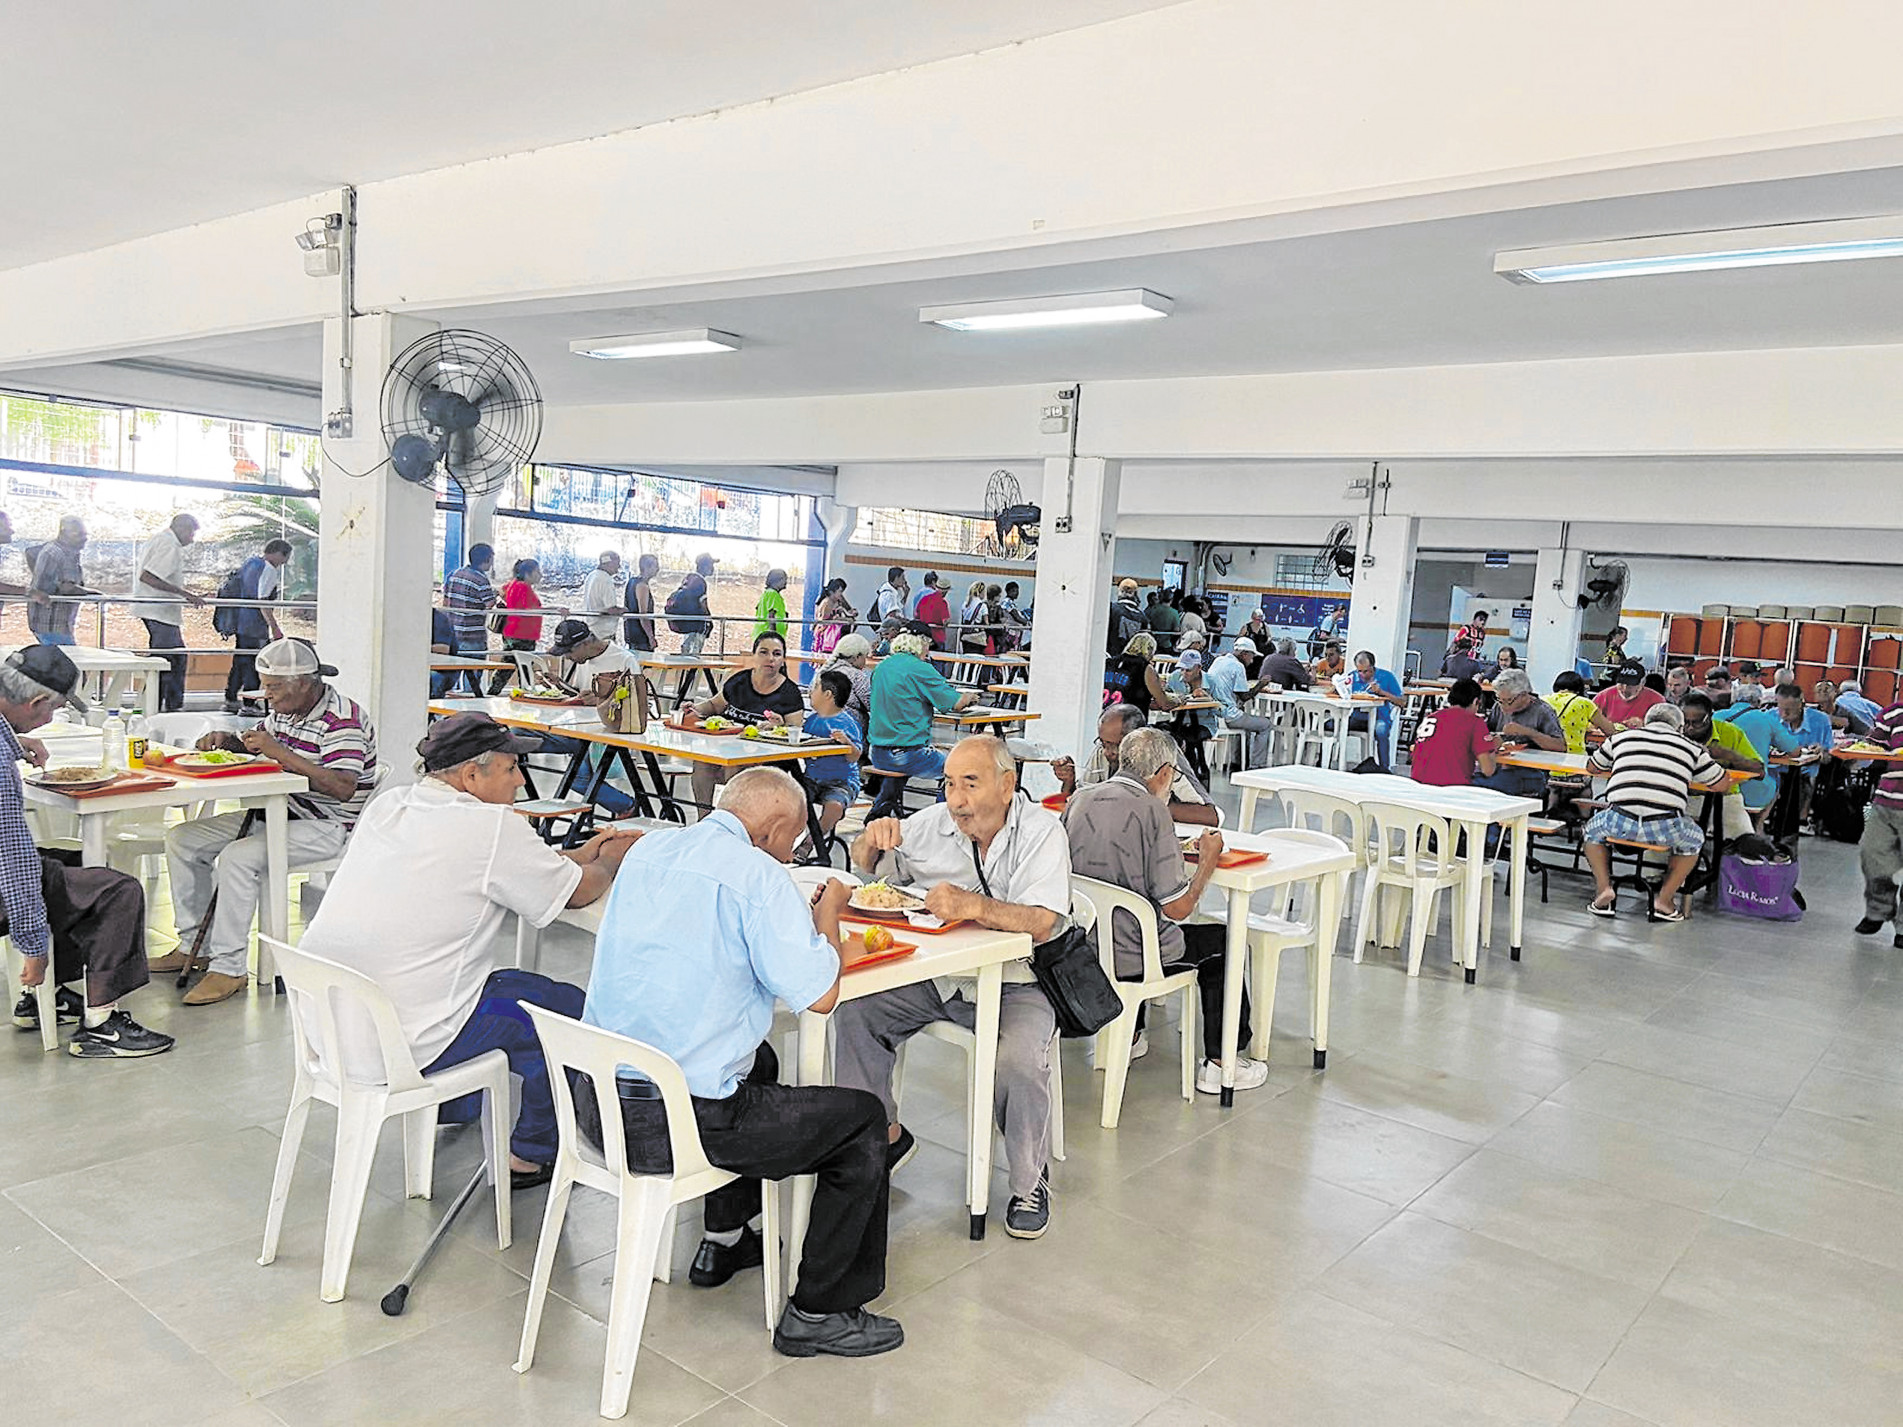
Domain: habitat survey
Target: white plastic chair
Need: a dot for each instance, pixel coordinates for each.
(44, 995)
(1413, 851)
(1114, 1040)
(318, 988)
(646, 1200)
(1270, 936)
(1314, 728)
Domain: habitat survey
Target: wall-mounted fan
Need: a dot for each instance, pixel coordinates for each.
(1014, 520)
(465, 401)
(1337, 554)
(1605, 585)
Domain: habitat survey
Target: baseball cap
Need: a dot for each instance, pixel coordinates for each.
(287, 658)
(47, 666)
(1245, 645)
(1631, 672)
(1189, 659)
(463, 736)
(568, 634)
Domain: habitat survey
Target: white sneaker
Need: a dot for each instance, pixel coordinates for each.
(1250, 1075)
(1140, 1047)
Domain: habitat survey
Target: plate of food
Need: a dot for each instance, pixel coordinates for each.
(882, 900)
(780, 734)
(543, 694)
(211, 758)
(717, 726)
(1231, 856)
(74, 780)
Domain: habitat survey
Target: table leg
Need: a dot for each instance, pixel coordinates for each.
(1470, 897)
(149, 693)
(670, 809)
(277, 886)
(1327, 925)
(1516, 886)
(1235, 966)
(810, 1070)
(92, 839)
(984, 1075)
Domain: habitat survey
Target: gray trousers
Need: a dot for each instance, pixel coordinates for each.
(203, 853)
(1261, 731)
(1881, 853)
(866, 1038)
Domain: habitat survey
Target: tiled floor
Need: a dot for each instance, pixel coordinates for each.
(1647, 1175)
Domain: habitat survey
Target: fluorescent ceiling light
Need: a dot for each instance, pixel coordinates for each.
(1082, 309)
(657, 344)
(1838, 241)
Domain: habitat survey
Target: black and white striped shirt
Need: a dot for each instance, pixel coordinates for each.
(1649, 770)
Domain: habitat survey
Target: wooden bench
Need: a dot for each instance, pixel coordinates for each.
(545, 813)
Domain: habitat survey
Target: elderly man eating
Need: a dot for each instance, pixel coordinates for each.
(1519, 718)
(312, 731)
(702, 933)
(453, 832)
(988, 855)
(1188, 799)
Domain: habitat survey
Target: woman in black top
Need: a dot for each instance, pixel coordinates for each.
(1132, 674)
(761, 694)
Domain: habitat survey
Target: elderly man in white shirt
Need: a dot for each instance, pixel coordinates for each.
(158, 582)
(987, 855)
(601, 599)
(421, 895)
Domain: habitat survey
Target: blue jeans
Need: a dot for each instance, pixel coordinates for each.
(500, 1023)
(1517, 782)
(51, 637)
(610, 798)
(927, 762)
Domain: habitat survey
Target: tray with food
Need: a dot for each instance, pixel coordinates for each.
(1864, 748)
(1231, 856)
(547, 694)
(791, 736)
(717, 727)
(85, 781)
(880, 902)
(873, 947)
(213, 763)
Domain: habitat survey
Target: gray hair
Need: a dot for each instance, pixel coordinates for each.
(16, 688)
(481, 760)
(1000, 754)
(1146, 753)
(1285, 646)
(852, 646)
(1509, 683)
(1129, 715)
(1671, 715)
(911, 644)
(758, 793)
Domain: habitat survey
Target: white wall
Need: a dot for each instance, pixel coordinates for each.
(1689, 585)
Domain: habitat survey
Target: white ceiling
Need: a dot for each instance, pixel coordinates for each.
(1419, 294)
(122, 120)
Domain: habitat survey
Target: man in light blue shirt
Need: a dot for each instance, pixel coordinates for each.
(1228, 683)
(703, 932)
(1802, 730)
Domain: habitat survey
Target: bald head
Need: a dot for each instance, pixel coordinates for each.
(770, 806)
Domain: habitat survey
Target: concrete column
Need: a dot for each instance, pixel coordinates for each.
(1383, 596)
(375, 552)
(1553, 641)
(836, 523)
(1072, 611)
(479, 521)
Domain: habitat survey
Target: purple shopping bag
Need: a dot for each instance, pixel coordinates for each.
(1759, 889)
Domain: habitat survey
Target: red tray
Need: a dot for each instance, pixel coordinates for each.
(120, 786)
(1234, 857)
(733, 732)
(1055, 801)
(896, 919)
(170, 767)
(856, 946)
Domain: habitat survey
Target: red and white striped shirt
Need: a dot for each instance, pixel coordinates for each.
(336, 734)
(1888, 731)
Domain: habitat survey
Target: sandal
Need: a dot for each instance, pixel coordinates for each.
(1677, 914)
(1608, 909)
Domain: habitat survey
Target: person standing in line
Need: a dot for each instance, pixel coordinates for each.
(56, 573)
(973, 637)
(601, 604)
(469, 595)
(689, 615)
(161, 570)
(522, 632)
(260, 578)
(891, 596)
(769, 612)
(933, 610)
(639, 627)
(7, 587)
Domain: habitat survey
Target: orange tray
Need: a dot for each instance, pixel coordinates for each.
(1234, 857)
(733, 732)
(1056, 802)
(170, 767)
(856, 943)
(896, 919)
(120, 786)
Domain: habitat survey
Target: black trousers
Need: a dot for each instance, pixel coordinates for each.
(769, 1131)
(97, 917)
(1206, 947)
(159, 637)
(244, 665)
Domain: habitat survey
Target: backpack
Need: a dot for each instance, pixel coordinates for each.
(1836, 812)
(224, 619)
(682, 602)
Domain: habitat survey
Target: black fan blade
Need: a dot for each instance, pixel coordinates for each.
(448, 411)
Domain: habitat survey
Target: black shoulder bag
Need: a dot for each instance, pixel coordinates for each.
(1070, 974)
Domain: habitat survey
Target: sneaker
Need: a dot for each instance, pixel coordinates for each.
(1140, 1047)
(1029, 1218)
(853, 1334)
(120, 1037)
(900, 1151)
(68, 1009)
(1869, 926)
(1250, 1075)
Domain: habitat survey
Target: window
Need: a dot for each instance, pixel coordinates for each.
(664, 503)
(903, 529)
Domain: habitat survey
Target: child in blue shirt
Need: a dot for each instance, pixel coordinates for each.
(835, 779)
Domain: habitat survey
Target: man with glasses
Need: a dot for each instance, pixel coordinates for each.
(1189, 800)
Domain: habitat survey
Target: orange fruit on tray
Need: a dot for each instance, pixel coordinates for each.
(878, 939)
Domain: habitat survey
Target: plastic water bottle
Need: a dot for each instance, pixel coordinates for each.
(115, 736)
(138, 734)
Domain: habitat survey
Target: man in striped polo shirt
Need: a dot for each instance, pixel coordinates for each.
(1881, 850)
(313, 731)
(1650, 771)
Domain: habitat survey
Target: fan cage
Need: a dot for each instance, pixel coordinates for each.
(489, 374)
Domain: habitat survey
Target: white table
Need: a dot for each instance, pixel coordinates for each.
(1471, 810)
(269, 791)
(1290, 860)
(1343, 709)
(111, 672)
(965, 951)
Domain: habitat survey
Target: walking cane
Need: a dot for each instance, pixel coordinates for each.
(398, 1298)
